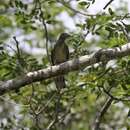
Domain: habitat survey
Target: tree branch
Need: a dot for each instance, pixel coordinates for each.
(102, 112)
(69, 66)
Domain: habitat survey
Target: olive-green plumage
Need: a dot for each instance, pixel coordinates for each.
(60, 54)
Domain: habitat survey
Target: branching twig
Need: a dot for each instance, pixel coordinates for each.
(21, 63)
(49, 101)
(57, 107)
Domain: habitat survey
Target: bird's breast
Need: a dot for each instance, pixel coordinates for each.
(60, 55)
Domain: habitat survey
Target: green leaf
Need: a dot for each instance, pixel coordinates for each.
(127, 27)
(83, 3)
(110, 11)
(21, 5)
(5, 21)
(110, 29)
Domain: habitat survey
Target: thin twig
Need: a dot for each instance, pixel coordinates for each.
(102, 112)
(108, 4)
(102, 74)
(98, 77)
(6, 45)
(45, 31)
(35, 115)
(74, 10)
(57, 107)
(50, 125)
(113, 97)
(68, 109)
(46, 35)
(20, 60)
(49, 101)
(17, 46)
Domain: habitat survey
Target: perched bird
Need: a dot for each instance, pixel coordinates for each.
(60, 54)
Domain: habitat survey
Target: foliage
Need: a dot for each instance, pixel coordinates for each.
(35, 24)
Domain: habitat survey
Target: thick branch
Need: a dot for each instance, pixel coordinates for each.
(72, 65)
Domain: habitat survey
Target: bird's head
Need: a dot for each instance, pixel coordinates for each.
(64, 36)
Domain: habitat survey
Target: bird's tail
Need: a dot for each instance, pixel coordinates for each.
(60, 82)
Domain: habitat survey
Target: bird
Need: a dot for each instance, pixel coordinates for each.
(60, 54)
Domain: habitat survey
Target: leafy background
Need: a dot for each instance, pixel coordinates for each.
(29, 30)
